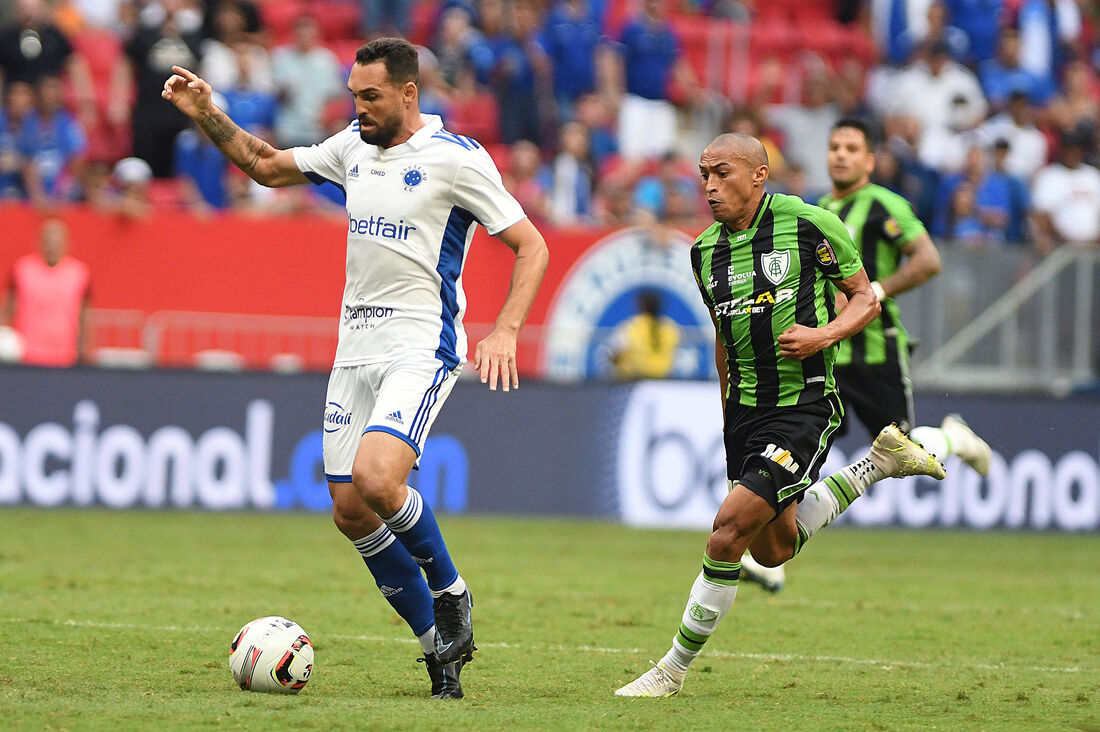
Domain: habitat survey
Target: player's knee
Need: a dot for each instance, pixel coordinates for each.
(376, 486)
(351, 522)
(773, 556)
(729, 538)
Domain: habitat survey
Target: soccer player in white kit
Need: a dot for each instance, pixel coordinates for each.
(415, 193)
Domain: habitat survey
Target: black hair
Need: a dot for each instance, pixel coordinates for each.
(399, 56)
(857, 124)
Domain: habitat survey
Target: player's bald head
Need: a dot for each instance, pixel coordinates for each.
(738, 146)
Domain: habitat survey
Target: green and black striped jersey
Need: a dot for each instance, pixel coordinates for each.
(881, 223)
(761, 281)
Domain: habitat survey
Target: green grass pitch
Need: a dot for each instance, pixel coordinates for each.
(123, 621)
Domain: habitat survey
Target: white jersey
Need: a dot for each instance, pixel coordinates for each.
(412, 210)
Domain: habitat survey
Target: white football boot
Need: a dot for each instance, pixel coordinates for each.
(896, 455)
(771, 579)
(971, 449)
(657, 681)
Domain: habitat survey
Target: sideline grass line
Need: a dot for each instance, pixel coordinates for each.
(795, 657)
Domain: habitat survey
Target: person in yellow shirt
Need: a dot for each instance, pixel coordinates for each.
(645, 345)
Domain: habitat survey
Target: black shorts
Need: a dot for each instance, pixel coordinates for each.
(777, 452)
(878, 394)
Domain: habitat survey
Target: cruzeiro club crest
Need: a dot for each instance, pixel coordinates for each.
(775, 265)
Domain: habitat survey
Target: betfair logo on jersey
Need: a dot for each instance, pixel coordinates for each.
(378, 226)
(825, 253)
(753, 303)
(775, 265)
(780, 457)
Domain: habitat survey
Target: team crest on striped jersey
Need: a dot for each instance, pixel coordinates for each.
(776, 264)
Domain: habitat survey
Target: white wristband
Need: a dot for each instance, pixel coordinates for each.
(879, 292)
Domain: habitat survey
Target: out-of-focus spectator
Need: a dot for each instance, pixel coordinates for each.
(569, 179)
(474, 111)
(651, 57)
(1027, 147)
(965, 223)
(1066, 199)
(384, 17)
(19, 106)
(1046, 28)
(458, 44)
(672, 179)
(595, 114)
(899, 168)
(47, 301)
(644, 347)
(308, 76)
(522, 179)
(570, 38)
(519, 72)
(1002, 183)
(976, 204)
(980, 20)
(133, 176)
(53, 143)
(151, 53)
(33, 47)
(231, 50)
(254, 104)
(1076, 106)
(1002, 76)
(614, 206)
(201, 167)
(938, 92)
(253, 23)
(806, 128)
(435, 93)
(935, 26)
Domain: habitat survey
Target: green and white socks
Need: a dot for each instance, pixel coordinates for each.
(711, 597)
(828, 498)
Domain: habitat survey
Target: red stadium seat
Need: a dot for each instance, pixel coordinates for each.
(101, 50)
(422, 22)
(773, 39)
(337, 18)
(166, 194)
(279, 15)
(344, 49)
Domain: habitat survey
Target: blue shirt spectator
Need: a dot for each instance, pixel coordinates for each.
(1003, 75)
(981, 21)
(51, 139)
(198, 160)
(570, 39)
(649, 50)
(252, 110)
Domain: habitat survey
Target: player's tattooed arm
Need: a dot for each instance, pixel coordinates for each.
(264, 164)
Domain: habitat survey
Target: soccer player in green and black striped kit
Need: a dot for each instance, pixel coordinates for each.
(763, 269)
(872, 366)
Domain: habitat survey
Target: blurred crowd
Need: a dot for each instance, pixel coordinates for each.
(988, 110)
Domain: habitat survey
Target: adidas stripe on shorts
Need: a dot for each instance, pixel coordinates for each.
(401, 398)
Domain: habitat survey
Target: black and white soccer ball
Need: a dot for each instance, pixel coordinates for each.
(271, 654)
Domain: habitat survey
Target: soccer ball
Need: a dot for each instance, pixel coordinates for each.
(271, 654)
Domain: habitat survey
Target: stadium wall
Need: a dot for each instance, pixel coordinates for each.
(646, 454)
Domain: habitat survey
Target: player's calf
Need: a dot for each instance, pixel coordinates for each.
(892, 455)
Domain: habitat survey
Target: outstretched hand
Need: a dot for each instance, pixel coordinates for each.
(188, 92)
(495, 356)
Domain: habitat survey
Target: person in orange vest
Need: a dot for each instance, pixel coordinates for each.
(47, 301)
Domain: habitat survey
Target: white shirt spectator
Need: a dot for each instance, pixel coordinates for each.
(308, 79)
(222, 69)
(1071, 197)
(953, 97)
(1027, 148)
